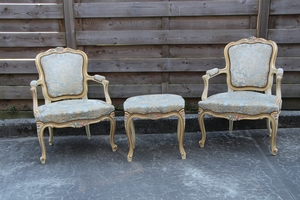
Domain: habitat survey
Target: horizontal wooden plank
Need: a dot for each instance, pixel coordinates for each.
(21, 52)
(31, 11)
(125, 91)
(30, 25)
(286, 21)
(284, 36)
(160, 37)
(32, 39)
(159, 9)
(17, 79)
(196, 51)
(288, 50)
(284, 7)
(29, 1)
(211, 22)
(143, 78)
(156, 65)
(288, 63)
(119, 52)
(145, 23)
(27, 66)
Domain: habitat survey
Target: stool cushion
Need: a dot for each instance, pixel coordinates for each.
(155, 103)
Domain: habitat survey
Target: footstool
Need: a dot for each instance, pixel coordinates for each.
(154, 106)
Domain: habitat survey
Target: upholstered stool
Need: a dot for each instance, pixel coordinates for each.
(154, 107)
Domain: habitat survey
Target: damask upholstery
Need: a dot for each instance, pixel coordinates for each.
(63, 78)
(154, 107)
(78, 109)
(154, 104)
(67, 80)
(249, 70)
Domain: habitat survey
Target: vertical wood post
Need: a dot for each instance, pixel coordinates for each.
(165, 54)
(263, 18)
(70, 23)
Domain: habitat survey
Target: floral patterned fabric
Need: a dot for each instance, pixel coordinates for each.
(69, 110)
(243, 102)
(156, 103)
(249, 64)
(63, 74)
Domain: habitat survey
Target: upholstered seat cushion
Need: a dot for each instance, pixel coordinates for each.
(155, 103)
(242, 102)
(71, 110)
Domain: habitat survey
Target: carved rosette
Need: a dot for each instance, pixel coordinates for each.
(235, 117)
(275, 115)
(80, 124)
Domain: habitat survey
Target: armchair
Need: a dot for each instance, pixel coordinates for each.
(250, 67)
(63, 78)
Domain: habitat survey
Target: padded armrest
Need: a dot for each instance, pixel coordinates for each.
(101, 79)
(33, 85)
(209, 74)
(279, 75)
(213, 72)
(98, 78)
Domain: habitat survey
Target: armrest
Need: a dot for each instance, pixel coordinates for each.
(209, 74)
(101, 79)
(33, 86)
(279, 75)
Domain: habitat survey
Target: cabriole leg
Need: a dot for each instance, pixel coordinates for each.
(128, 119)
(112, 134)
(50, 135)
(180, 133)
(202, 127)
(88, 132)
(40, 133)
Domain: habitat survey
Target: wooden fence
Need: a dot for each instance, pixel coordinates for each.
(145, 47)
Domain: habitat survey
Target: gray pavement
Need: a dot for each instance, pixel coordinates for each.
(230, 166)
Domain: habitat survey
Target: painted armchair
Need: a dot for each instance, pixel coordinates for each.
(64, 81)
(250, 68)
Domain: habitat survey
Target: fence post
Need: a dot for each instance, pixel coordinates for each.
(263, 18)
(70, 23)
(165, 54)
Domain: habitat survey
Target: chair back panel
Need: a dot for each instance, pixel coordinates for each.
(63, 74)
(250, 64)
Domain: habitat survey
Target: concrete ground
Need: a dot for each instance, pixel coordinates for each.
(230, 166)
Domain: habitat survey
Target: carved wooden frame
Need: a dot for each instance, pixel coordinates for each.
(130, 130)
(272, 118)
(48, 99)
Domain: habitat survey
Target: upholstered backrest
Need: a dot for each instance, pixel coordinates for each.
(62, 71)
(250, 63)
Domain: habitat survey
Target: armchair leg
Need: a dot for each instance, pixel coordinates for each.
(88, 132)
(269, 127)
(40, 134)
(132, 133)
(128, 123)
(114, 147)
(180, 133)
(50, 135)
(274, 123)
(202, 128)
(230, 125)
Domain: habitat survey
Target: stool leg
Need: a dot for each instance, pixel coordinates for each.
(132, 133)
(180, 132)
(128, 121)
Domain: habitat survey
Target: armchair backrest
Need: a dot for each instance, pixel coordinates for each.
(250, 64)
(62, 73)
